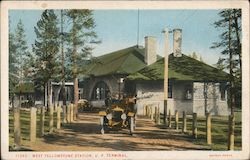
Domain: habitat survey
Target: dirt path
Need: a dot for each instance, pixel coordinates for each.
(84, 135)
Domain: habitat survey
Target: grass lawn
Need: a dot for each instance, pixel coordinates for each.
(219, 131)
(25, 126)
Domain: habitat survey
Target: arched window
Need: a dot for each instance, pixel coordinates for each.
(100, 91)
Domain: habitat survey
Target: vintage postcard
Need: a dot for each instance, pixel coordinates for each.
(124, 80)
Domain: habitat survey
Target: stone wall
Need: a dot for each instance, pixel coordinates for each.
(152, 94)
(215, 105)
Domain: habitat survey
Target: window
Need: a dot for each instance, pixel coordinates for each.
(188, 92)
(223, 91)
(170, 95)
(100, 91)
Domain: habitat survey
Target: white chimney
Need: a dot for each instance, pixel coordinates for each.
(177, 39)
(150, 50)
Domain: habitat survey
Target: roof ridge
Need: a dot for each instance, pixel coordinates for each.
(107, 54)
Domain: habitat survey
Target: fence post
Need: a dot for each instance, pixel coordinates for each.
(195, 125)
(32, 124)
(151, 113)
(42, 117)
(75, 113)
(17, 127)
(155, 114)
(184, 122)
(72, 113)
(231, 125)
(144, 110)
(64, 114)
(68, 113)
(58, 124)
(51, 120)
(176, 120)
(208, 126)
(169, 119)
(158, 116)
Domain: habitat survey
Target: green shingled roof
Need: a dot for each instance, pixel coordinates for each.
(125, 61)
(180, 68)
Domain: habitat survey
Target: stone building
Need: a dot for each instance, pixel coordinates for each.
(193, 85)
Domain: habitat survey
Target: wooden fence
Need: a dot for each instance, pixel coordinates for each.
(67, 118)
(154, 114)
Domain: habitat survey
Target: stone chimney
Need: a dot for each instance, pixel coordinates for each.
(177, 39)
(150, 50)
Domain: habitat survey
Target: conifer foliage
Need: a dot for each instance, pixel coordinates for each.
(81, 39)
(230, 44)
(18, 58)
(46, 48)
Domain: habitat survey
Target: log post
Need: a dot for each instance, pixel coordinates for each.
(75, 113)
(176, 120)
(42, 117)
(32, 124)
(68, 113)
(72, 113)
(208, 126)
(64, 114)
(144, 110)
(151, 113)
(17, 127)
(158, 116)
(155, 114)
(58, 124)
(169, 119)
(51, 120)
(231, 125)
(184, 122)
(195, 125)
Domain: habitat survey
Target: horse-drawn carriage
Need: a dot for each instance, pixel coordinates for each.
(119, 114)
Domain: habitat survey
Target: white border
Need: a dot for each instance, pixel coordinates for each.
(5, 6)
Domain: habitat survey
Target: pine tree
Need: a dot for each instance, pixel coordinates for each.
(81, 38)
(220, 64)
(21, 50)
(46, 48)
(18, 55)
(201, 59)
(13, 67)
(231, 48)
(194, 55)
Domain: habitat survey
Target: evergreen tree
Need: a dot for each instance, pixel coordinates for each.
(230, 46)
(21, 50)
(81, 38)
(18, 57)
(194, 55)
(201, 59)
(13, 67)
(220, 64)
(46, 48)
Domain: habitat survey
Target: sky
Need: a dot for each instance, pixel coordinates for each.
(118, 29)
